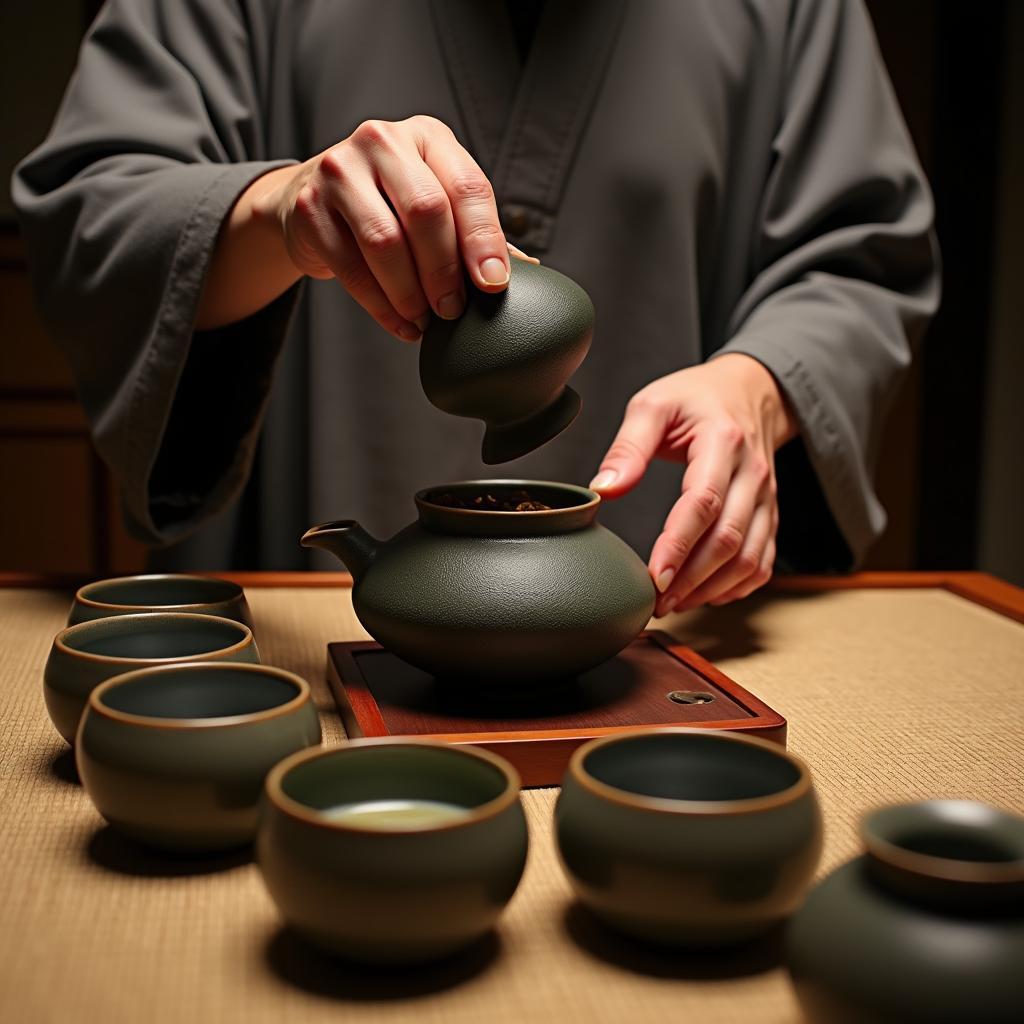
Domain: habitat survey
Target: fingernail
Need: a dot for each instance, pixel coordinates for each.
(669, 606)
(664, 581)
(604, 479)
(494, 271)
(409, 332)
(449, 307)
(422, 322)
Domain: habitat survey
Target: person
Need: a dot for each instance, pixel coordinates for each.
(239, 202)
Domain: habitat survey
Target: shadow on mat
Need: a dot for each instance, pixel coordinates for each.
(755, 957)
(300, 964)
(63, 767)
(113, 852)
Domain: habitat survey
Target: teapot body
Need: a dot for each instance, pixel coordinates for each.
(501, 595)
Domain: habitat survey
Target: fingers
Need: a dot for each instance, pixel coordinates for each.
(726, 538)
(714, 458)
(477, 227)
(353, 192)
(638, 439)
(745, 571)
(520, 255)
(325, 243)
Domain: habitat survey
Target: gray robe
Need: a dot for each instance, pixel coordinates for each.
(721, 176)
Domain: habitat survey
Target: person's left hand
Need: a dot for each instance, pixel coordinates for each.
(725, 419)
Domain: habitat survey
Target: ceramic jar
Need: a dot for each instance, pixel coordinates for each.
(927, 925)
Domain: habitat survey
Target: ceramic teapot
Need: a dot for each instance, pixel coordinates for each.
(928, 925)
(506, 360)
(497, 580)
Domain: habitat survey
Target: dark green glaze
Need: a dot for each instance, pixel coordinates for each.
(928, 925)
(497, 595)
(686, 837)
(165, 592)
(84, 655)
(176, 756)
(386, 896)
(507, 359)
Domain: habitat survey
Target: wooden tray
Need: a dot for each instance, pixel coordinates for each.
(378, 694)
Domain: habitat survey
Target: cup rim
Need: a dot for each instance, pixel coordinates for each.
(591, 499)
(96, 705)
(123, 620)
(300, 812)
(881, 847)
(705, 808)
(82, 596)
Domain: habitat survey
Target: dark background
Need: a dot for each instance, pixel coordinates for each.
(951, 471)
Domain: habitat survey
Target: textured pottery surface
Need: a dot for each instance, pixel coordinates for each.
(688, 838)
(392, 896)
(502, 595)
(506, 360)
(85, 655)
(176, 756)
(928, 925)
(165, 592)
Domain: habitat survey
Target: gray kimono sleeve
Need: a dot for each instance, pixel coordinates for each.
(845, 277)
(158, 133)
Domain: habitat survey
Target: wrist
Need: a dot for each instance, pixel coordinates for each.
(770, 402)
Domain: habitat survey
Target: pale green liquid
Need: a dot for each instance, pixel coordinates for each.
(396, 814)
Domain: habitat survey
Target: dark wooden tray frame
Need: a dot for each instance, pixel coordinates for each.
(541, 754)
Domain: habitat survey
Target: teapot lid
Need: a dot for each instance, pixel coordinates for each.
(508, 358)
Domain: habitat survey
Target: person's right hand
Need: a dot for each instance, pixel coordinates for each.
(394, 212)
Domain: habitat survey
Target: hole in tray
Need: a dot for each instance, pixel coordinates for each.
(690, 697)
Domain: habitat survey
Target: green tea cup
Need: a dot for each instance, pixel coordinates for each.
(175, 756)
(392, 851)
(686, 836)
(83, 656)
(163, 592)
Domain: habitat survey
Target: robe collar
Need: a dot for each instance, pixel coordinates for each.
(524, 124)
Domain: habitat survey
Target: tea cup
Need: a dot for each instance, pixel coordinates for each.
(687, 836)
(392, 851)
(175, 756)
(83, 656)
(162, 592)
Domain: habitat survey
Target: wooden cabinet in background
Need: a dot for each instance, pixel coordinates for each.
(58, 510)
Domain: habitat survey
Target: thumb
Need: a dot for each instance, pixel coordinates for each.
(639, 437)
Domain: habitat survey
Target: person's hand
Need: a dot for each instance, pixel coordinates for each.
(725, 419)
(394, 212)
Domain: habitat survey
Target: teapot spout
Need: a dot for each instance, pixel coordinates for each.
(347, 541)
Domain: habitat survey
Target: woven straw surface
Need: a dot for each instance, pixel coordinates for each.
(891, 695)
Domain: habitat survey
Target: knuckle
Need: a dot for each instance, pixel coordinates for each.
(372, 133)
(732, 436)
(427, 204)
(306, 203)
(471, 186)
(642, 401)
(727, 540)
(708, 502)
(379, 236)
(485, 231)
(445, 273)
(623, 450)
(332, 166)
(427, 123)
(679, 548)
(748, 564)
(760, 469)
